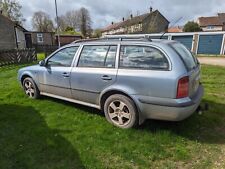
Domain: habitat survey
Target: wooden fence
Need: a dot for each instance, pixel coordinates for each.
(17, 56)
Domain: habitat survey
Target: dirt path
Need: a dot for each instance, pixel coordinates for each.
(212, 61)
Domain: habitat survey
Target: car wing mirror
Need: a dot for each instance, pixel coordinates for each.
(42, 63)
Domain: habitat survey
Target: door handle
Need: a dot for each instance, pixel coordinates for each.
(65, 74)
(106, 77)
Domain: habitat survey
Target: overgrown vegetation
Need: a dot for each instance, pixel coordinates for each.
(49, 133)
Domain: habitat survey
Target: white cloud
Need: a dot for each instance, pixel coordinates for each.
(103, 12)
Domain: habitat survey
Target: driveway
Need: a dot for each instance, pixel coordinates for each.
(218, 61)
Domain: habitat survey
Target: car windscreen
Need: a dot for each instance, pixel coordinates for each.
(189, 60)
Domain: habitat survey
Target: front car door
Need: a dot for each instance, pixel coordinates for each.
(55, 76)
(95, 70)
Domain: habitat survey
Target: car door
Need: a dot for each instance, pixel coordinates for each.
(55, 76)
(95, 70)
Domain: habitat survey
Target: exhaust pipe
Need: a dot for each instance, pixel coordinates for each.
(201, 108)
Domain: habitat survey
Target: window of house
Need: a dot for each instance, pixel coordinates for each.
(40, 38)
(63, 58)
(210, 27)
(142, 57)
(98, 56)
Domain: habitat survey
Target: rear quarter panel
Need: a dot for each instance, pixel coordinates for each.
(154, 83)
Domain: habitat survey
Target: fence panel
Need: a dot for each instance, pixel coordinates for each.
(17, 56)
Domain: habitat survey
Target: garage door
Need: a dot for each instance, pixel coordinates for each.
(185, 40)
(210, 44)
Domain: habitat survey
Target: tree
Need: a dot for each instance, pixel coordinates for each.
(71, 19)
(42, 22)
(12, 10)
(85, 22)
(62, 23)
(97, 33)
(191, 27)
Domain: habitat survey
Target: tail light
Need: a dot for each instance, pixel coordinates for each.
(183, 87)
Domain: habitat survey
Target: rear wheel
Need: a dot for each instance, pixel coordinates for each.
(121, 111)
(30, 88)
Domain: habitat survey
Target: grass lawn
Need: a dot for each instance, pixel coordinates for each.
(53, 134)
(40, 56)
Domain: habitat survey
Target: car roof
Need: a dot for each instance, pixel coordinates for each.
(103, 41)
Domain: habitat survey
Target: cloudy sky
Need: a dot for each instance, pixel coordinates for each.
(103, 12)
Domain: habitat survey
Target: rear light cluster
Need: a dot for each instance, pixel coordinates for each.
(183, 87)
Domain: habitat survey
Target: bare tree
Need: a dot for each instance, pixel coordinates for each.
(42, 22)
(12, 9)
(62, 23)
(72, 19)
(85, 22)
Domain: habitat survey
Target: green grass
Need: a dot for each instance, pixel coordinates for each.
(40, 56)
(53, 134)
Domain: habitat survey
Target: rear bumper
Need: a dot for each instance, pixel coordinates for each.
(169, 109)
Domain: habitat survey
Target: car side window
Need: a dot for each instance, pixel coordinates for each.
(98, 56)
(142, 57)
(63, 58)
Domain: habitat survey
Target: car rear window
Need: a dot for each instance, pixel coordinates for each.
(189, 60)
(142, 57)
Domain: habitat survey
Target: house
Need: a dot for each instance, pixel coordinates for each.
(12, 35)
(41, 38)
(175, 29)
(66, 39)
(213, 23)
(152, 22)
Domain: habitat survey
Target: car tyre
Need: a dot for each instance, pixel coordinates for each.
(121, 111)
(30, 88)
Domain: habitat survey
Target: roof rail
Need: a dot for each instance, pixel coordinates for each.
(85, 40)
(127, 37)
(117, 37)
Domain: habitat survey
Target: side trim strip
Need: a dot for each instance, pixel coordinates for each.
(82, 90)
(70, 100)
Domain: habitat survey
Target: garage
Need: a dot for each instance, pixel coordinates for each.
(185, 40)
(210, 44)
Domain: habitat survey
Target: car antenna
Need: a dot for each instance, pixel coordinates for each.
(171, 26)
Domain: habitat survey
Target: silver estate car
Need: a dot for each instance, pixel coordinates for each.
(129, 78)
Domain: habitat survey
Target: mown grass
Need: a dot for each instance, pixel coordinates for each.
(53, 134)
(40, 56)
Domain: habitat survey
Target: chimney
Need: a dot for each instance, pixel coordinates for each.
(123, 19)
(131, 16)
(151, 9)
(112, 23)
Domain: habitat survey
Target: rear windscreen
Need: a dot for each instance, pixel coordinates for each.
(189, 60)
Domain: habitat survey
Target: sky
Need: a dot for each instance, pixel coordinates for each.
(103, 12)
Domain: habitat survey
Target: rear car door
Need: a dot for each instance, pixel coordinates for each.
(55, 76)
(95, 70)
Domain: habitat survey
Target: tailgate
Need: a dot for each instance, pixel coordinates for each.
(194, 80)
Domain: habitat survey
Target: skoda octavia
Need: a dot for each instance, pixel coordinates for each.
(129, 78)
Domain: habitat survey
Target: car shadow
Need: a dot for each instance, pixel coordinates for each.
(206, 128)
(75, 105)
(26, 141)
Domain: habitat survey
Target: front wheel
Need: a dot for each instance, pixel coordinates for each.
(121, 111)
(30, 88)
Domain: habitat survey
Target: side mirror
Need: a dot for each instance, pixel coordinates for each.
(42, 63)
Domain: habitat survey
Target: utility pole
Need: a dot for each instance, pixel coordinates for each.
(57, 20)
